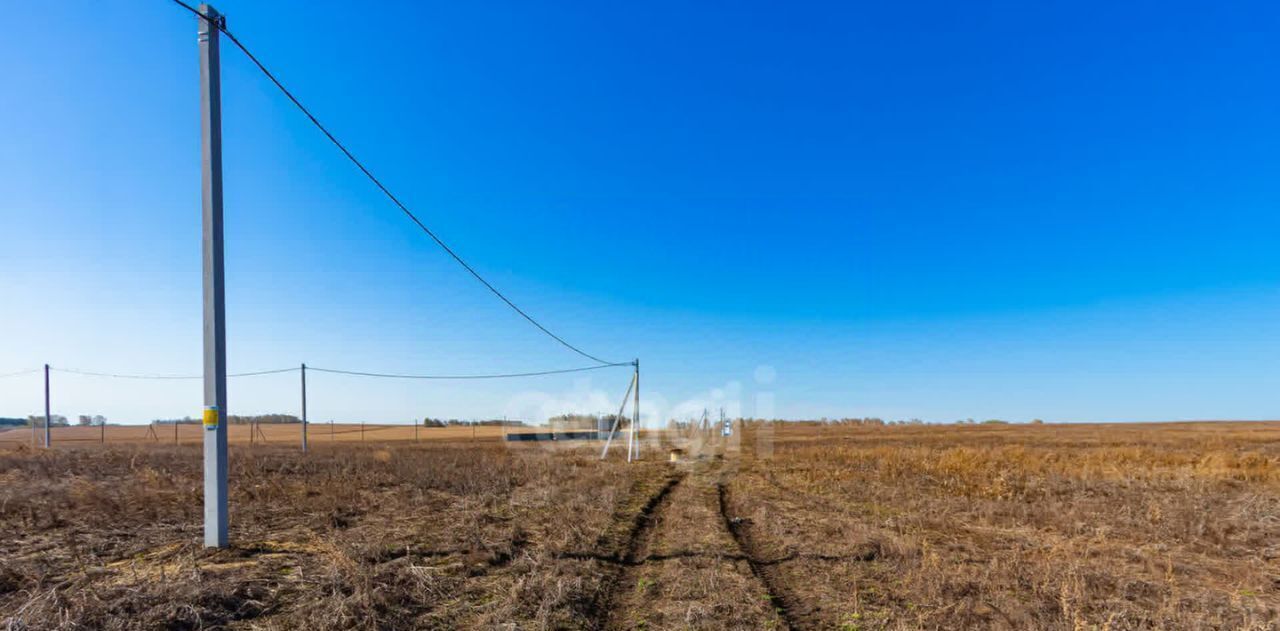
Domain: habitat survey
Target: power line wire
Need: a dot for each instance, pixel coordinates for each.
(221, 26)
(20, 372)
(129, 376)
(261, 372)
(91, 373)
(494, 376)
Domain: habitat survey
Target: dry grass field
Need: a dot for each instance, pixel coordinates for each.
(799, 526)
(284, 434)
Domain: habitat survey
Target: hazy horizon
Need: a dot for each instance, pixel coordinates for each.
(937, 211)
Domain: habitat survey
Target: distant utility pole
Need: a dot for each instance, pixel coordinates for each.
(633, 446)
(47, 417)
(304, 408)
(215, 331)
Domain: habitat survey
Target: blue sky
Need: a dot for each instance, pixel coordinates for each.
(993, 210)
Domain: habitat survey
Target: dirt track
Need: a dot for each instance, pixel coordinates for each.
(855, 527)
(684, 568)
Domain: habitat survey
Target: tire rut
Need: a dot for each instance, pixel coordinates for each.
(601, 610)
(766, 572)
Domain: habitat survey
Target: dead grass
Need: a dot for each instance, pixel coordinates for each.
(1121, 527)
(807, 526)
(282, 434)
(415, 536)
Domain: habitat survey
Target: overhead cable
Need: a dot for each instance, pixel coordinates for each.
(221, 26)
(493, 376)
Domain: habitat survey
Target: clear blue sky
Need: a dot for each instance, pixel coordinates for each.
(938, 210)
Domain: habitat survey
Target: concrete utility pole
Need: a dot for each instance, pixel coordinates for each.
(635, 420)
(215, 330)
(304, 408)
(631, 436)
(48, 442)
(617, 421)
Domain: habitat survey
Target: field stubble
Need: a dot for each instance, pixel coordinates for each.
(840, 526)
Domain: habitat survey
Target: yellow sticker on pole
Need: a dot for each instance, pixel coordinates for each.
(211, 417)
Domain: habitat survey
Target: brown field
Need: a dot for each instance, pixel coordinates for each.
(272, 433)
(801, 526)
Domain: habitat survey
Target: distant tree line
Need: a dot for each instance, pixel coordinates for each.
(873, 421)
(581, 421)
(55, 420)
(261, 419)
(264, 419)
(453, 422)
